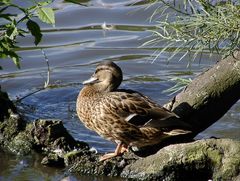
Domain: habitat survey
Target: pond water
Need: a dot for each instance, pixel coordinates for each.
(73, 47)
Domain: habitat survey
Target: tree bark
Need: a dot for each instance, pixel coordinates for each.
(210, 95)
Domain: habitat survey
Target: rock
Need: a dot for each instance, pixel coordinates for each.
(45, 136)
(53, 160)
(9, 131)
(6, 106)
(20, 137)
(21, 144)
(12, 126)
(51, 136)
(215, 159)
(90, 164)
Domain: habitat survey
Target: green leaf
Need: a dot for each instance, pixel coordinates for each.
(181, 83)
(44, 3)
(12, 30)
(35, 31)
(46, 15)
(7, 16)
(5, 2)
(16, 61)
(15, 58)
(2, 55)
(5, 45)
(21, 32)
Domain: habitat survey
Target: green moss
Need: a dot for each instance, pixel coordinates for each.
(215, 156)
(20, 144)
(11, 127)
(29, 128)
(195, 153)
(72, 154)
(230, 163)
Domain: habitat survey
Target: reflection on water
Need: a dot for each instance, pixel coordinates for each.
(18, 168)
(74, 47)
(14, 167)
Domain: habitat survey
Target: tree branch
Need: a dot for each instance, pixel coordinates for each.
(209, 96)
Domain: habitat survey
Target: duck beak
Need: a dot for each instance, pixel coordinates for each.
(90, 81)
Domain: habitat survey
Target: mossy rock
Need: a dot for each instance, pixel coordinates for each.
(50, 135)
(6, 106)
(53, 160)
(21, 144)
(9, 129)
(87, 162)
(216, 159)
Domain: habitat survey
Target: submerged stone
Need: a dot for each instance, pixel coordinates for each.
(53, 160)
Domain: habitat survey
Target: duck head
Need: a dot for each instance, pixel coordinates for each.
(107, 77)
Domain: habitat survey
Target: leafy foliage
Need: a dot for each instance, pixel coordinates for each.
(191, 27)
(181, 83)
(195, 26)
(9, 25)
(35, 31)
(46, 15)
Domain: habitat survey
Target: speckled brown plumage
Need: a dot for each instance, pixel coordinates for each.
(125, 117)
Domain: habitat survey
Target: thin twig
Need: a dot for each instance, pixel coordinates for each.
(20, 99)
(46, 83)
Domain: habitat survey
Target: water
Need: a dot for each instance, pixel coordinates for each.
(74, 47)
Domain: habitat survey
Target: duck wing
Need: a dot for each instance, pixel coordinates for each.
(151, 123)
(141, 111)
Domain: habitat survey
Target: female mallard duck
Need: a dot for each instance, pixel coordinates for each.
(125, 117)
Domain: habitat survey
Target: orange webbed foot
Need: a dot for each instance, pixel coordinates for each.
(118, 151)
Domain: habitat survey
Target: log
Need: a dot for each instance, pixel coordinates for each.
(210, 95)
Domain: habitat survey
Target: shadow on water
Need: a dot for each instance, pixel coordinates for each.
(74, 47)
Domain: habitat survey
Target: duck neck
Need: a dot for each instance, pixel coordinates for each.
(89, 91)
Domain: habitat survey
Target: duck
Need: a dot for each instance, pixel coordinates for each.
(123, 116)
